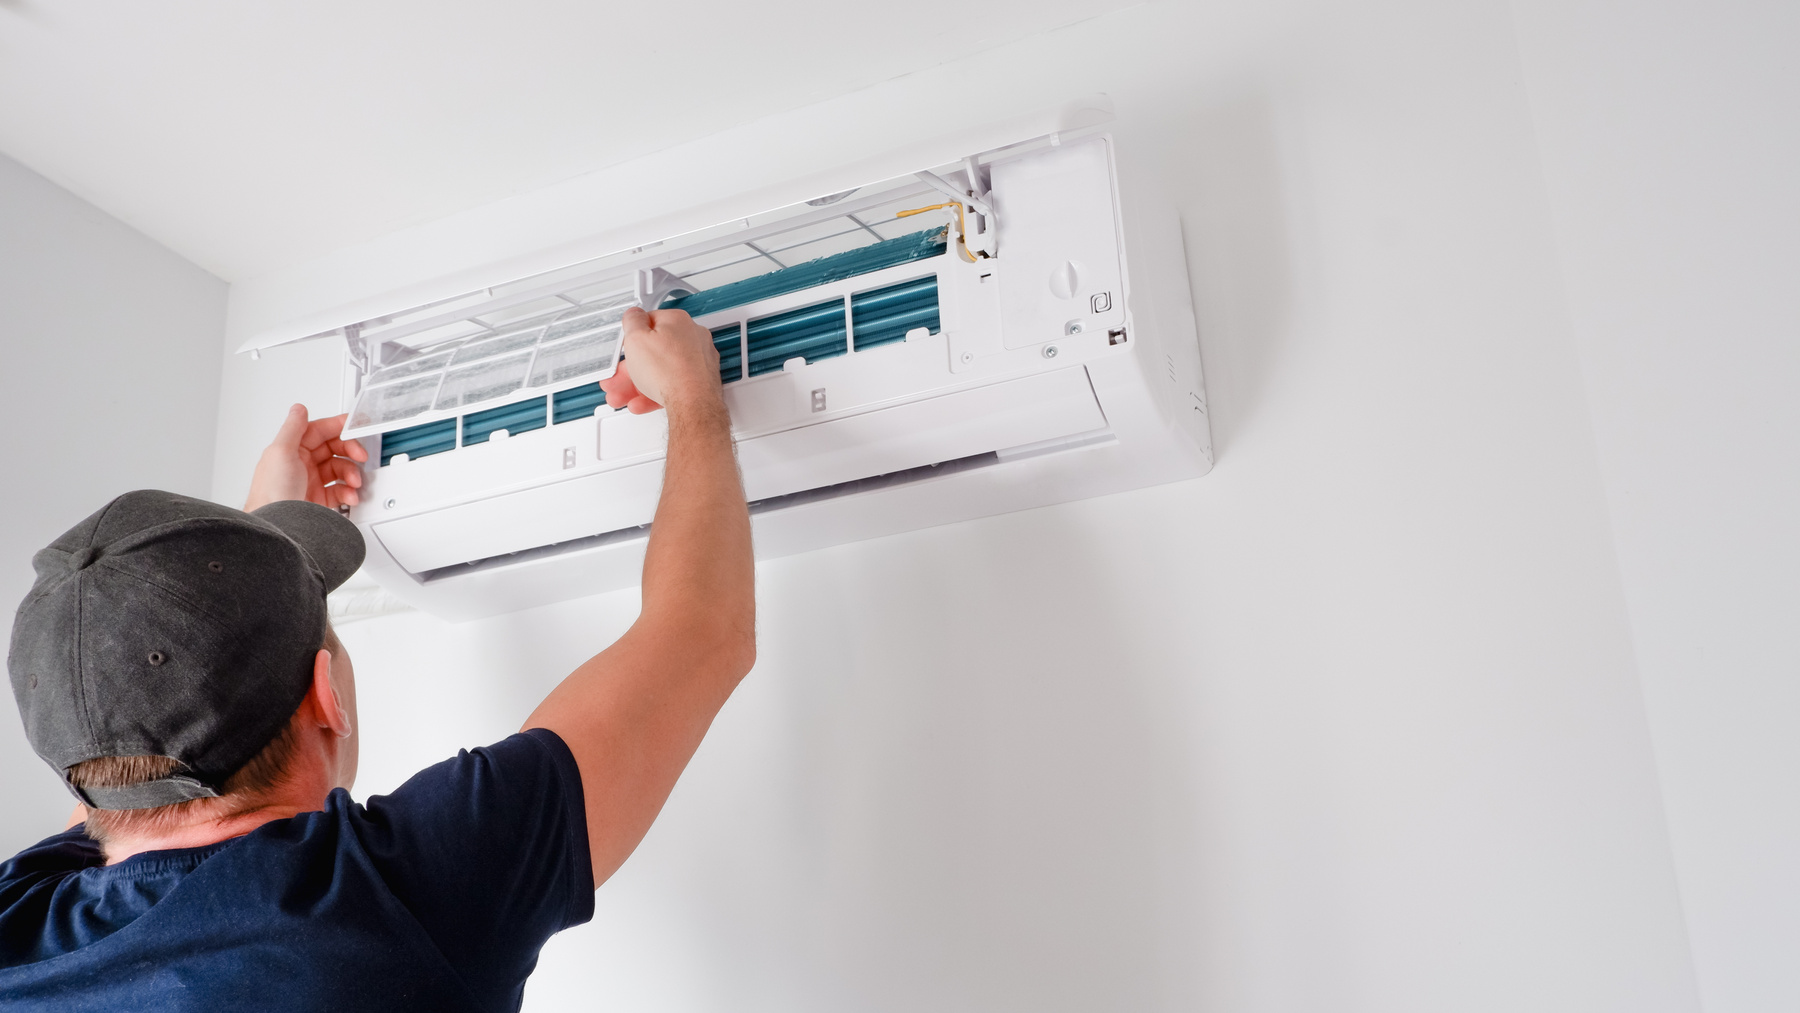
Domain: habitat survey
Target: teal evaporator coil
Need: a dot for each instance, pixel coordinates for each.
(729, 340)
(518, 417)
(576, 403)
(810, 332)
(418, 441)
(822, 271)
(886, 314)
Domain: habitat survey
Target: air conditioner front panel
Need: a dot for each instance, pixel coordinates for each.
(525, 519)
(962, 424)
(996, 417)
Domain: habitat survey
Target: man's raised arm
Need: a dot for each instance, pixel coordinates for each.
(634, 714)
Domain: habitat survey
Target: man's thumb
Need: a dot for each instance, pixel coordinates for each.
(292, 428)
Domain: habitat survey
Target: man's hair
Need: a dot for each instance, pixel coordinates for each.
(243, 791)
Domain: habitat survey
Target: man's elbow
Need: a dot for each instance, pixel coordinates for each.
(728, 650)
(739, 654)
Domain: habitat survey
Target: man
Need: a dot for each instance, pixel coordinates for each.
(173, 664)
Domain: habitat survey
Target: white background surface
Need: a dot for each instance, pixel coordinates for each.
(1670, 135)
(109, 380)
(251, 138)
(1497, 310)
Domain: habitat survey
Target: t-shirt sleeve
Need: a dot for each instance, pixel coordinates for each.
(489, 852)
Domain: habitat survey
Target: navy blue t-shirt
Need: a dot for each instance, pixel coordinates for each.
(437, 897)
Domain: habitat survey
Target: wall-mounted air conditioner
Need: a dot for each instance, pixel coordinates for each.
(997, 334)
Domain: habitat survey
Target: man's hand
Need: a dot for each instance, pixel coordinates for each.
(672, 360)
(308, 461)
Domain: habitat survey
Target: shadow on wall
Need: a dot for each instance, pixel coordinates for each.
(945, 787)
(22, 9)
(1225, 170)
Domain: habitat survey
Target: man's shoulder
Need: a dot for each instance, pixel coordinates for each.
(289, 916)
(52, 858)
(517, 764)
(71, 849)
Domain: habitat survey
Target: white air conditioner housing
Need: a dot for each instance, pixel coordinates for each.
(1027, 339)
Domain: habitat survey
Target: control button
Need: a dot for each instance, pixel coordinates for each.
(1101, 302)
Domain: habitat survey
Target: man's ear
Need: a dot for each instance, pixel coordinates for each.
(332, 713)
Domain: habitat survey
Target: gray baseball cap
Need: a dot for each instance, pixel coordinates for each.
(169, 626)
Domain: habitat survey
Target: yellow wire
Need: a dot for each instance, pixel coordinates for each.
(920, 211)
(961, 247)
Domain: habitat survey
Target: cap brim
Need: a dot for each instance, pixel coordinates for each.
(334, 544)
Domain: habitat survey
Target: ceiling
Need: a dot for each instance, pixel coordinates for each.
(248, 137)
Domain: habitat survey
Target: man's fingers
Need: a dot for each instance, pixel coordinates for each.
(315, 481)
(331, 449)
(339, 470)
(320, 432)
(636, 322)
(353, 449)
(619, 388)
(622, 392)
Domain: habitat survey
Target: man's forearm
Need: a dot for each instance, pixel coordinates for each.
(699, 575)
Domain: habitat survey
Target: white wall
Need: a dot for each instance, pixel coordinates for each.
(1499, 319)
(1670, 133)
(109, 381)
(1353, 723)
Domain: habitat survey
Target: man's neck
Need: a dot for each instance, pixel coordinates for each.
(311, 773)
(202, 830)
